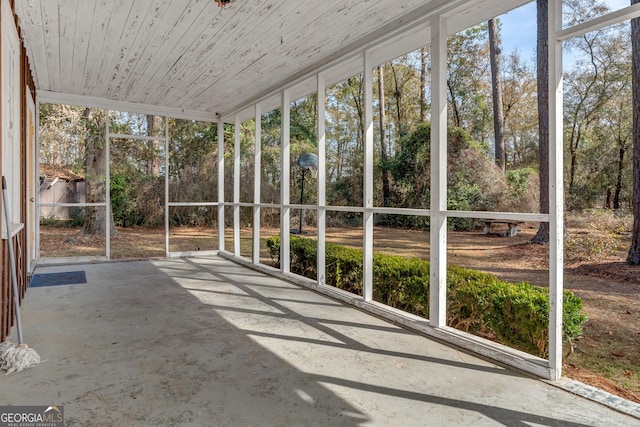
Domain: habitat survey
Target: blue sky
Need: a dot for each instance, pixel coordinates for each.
(519, 28)
(519, 31)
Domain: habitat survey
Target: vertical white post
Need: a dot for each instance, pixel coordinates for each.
(236, 186)
(220, 184)
(322, 174)
(368, 179)
(36, 149)
(107, 197)
(257, 159)
(166, 186)
(285, 212)
(556, 191)
(32, 173)
(438, 234)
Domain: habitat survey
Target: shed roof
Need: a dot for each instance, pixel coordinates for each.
(59, 171)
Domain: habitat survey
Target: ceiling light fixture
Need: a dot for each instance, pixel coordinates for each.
(223, 3)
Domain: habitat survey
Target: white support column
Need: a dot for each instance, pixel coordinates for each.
(166, 186)
(368, 179)
(322, 178)
(107, 196)
(36, 150)
(556, 191)
(236, 186)
(220, 184)
(285, 212)
(257, 159)
(438, 233)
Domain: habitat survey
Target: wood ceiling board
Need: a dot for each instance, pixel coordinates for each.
(67, 39)
(195, 56)
(208, 33)
(100, 26)
(163, 51)
(223, 51)
(96, 24)
(134, 35)
(215, 75)
(154, 30)
(418, 16)
(283, 54)
(50, 28)
(102, 30)
(348, 69)
(194, 50)
(100, 80)
(35, 44)
(256, 53)
(187, 33)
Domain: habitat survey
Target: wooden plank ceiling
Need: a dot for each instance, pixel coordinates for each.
(193, 55)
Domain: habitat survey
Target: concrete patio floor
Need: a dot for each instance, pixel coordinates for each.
(206, 342)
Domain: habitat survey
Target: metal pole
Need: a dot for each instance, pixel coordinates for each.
(301, 199)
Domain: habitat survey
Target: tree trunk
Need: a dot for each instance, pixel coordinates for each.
(573, 155)
(542, 236)
(153, 162)
(496, 83)
(386, 191)
(423, 84)
(634, 251)
(454, 106)
(616, 197)
(356, 96)
(95, 220)
(398, 95)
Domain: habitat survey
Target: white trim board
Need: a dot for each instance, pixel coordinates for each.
(48, 97)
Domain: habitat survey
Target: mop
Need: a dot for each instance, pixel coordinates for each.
(14, 357)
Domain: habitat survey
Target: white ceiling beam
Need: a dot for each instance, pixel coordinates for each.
(603, 21)
(130, 107)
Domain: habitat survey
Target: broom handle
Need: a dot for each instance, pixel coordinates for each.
(14, 277)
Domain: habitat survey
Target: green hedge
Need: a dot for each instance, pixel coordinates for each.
(515, 314)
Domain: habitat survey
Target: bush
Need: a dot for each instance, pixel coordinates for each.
(515, 314)
(137, 200)
(122, 204)
(523, 189)
(475, 183)
(596, 234)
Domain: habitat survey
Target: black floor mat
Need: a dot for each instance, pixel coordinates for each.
(55, 279)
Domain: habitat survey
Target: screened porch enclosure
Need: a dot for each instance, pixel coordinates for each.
(159, 175)
(243, 197)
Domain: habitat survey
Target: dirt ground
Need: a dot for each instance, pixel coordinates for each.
(607, 354)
